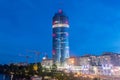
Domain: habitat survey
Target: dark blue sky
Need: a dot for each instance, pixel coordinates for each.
(27, 25)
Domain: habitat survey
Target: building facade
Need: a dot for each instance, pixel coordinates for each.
(47, 63)
(60, 35)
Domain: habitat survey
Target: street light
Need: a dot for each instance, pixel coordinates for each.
(78, 74)
(72, 61)
(62, 76)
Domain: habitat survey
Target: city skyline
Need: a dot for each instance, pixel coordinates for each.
(26, 25)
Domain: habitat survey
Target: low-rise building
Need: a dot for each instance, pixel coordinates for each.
(105, 64)
(47, 63)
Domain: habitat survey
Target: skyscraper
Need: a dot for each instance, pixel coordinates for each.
(60, 35)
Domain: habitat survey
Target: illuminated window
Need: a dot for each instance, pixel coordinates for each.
(67, 34)
(56, 22)
(60, 25)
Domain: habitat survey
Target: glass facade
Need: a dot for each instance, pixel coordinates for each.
(60, 38)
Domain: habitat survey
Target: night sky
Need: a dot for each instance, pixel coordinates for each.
(26, 25)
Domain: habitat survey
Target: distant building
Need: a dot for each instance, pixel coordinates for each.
(108, 61)
(85, 63)
(105, 64)
(47, 63)
(60, 35)
(72, 64)
(84, 60)
(72, 61)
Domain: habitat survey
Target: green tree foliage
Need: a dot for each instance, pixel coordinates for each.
(54, 68)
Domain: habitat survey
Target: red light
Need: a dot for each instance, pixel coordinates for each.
(53, 35)
(60, 11)
(53, 23)
(66, 22)
(53, 51)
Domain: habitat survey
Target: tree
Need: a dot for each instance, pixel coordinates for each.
(54, 68)
(39, 69)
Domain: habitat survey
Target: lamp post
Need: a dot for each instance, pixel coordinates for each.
(62, 76)
(72, 63)
(78, 75)
(11, 77)
(112, 74)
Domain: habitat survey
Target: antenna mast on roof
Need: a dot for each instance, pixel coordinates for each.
(60, 4)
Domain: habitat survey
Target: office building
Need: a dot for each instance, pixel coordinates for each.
(60, 36)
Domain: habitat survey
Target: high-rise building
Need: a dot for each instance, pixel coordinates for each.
(60, 35)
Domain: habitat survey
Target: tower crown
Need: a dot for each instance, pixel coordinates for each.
(60, 19)
(60, 11)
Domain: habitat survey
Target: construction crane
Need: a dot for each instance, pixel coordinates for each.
(35, 67)
(26, 56)
(37, 53)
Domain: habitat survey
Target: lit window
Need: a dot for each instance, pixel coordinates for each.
(67, 34)
(60, 25)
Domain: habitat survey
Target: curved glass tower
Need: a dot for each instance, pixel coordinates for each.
(60, 35)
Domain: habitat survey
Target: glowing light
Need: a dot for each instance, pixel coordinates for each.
(55, 22)
(67, 34)
(35, 67)
(72, 61)
(60, 25)
(53, 51)
(66, 22)
(44, 58)
(53, 35)
(67, 51)
(60, 11)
